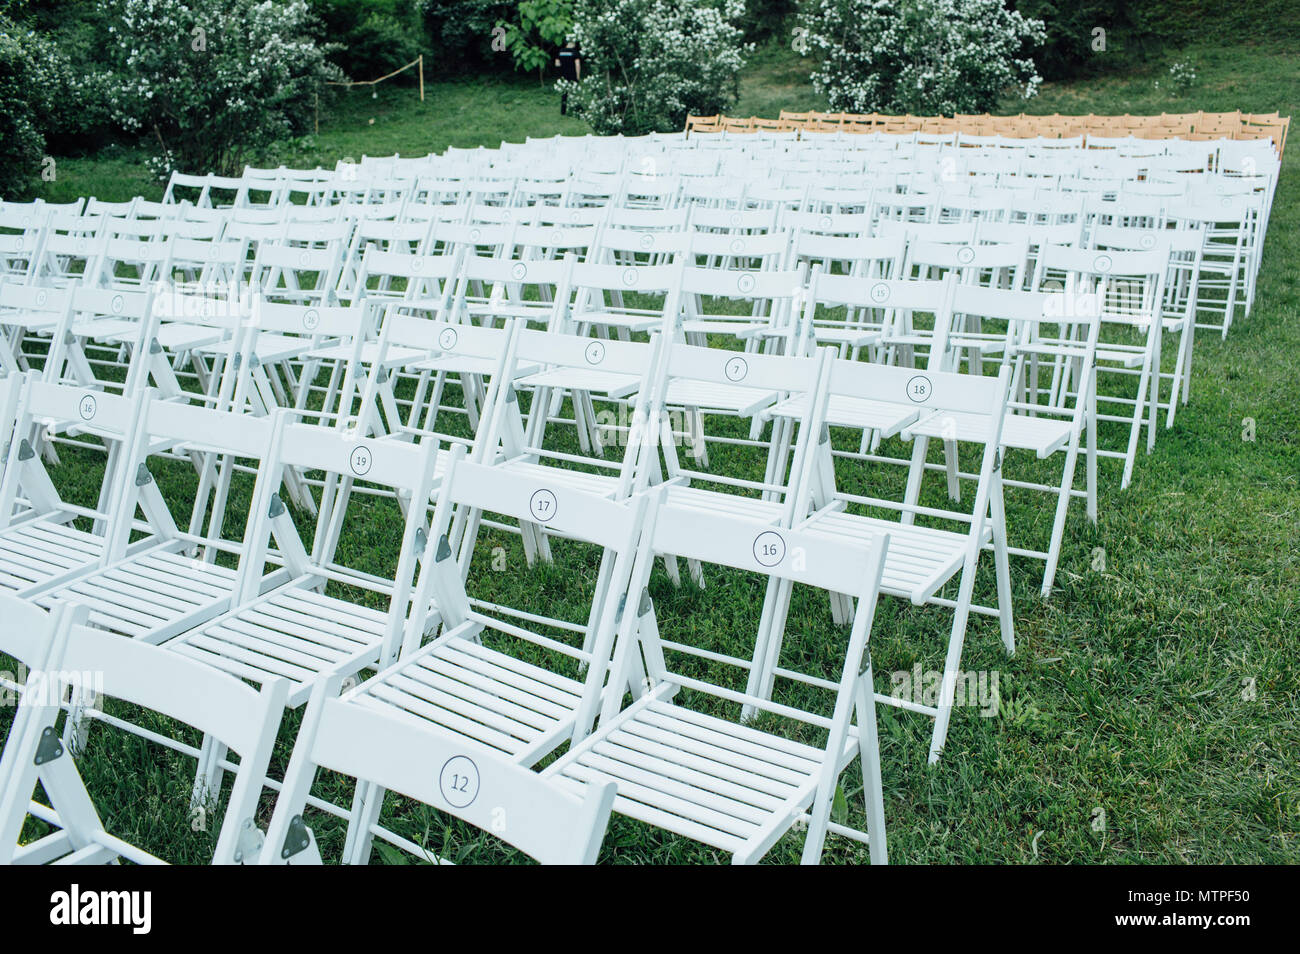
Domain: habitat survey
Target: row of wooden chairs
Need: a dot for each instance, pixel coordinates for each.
(1199, 125)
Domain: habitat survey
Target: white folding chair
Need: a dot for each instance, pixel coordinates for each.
(381, 748)
(962, 408)
(155, 591)
(64, 653)
(40, 544)
(1132, 332)
(460, 686)
(712, 778)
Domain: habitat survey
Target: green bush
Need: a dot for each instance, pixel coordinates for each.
(931, 57)
(21, 102)
(541, 28)
(464, 36)
(1135, 31)
(374, 37)
(765, 20)
(646, 64)
(1083, 36)
(210, 84)
(65, 40)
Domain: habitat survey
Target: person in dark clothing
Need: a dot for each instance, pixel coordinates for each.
(569, 63)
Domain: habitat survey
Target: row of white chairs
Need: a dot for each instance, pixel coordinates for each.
(126, 624)
(579, 296)
(1231, 230)
(281, 632)
(336, 395)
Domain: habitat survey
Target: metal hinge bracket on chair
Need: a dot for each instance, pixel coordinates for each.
(298, 838)
(866, 662)
(248, 846)
(155, 347)
(622, 605)
(444, 548)
(277, 506)
(25, 451)
(646, 602)
(50, 746)
(997, 460)
(421, 541)
(142, 476)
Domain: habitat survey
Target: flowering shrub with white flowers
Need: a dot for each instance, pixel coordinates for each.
(1182, 77)
(209, 84)
(924, 57)
(646, 64)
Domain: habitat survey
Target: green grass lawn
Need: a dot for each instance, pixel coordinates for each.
(1150, 714)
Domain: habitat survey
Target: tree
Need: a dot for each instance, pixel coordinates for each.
(646, 64)
(211, 83)
(924, 57)
(543, 26)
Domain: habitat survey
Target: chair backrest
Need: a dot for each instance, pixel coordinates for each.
(505, 282)
(559, 508)
(181, 688)
(28, 635)
(978, 401)
(217, 704)
(423, 276)
(538, 816)
(892, 301)
(722, 539)
(112, 417)
(927, 391)
(167, 425)
(404, 467)
(969, 261)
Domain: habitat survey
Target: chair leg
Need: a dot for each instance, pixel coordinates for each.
(1153, 400)
(914, 475)
(952, 662)
(209, 775)
(1091, 463)
(1002, 569)
(1135, 428)
(952, 465)
(366, 803)
(869, 753)
(1063, 497)
(767, 644)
